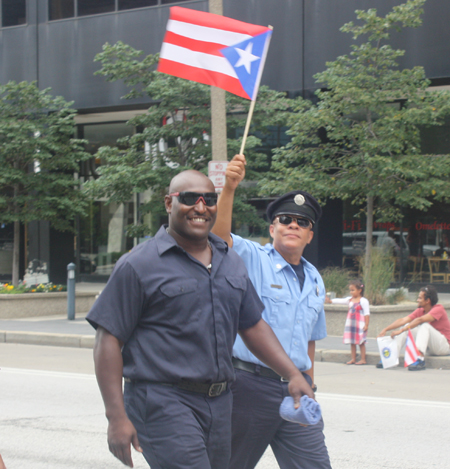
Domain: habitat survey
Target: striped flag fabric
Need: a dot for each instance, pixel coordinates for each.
(215, 50)
(411, 352)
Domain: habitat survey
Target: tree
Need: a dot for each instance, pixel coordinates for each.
(361, 141)
(38, 157)
(173, 135)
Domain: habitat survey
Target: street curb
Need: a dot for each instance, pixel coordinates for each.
(87, 341)
(47, 338)
(372, 358)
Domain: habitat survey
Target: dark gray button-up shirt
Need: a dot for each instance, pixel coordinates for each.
(177, 321)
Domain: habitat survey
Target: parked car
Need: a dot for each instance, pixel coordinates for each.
(354, 244)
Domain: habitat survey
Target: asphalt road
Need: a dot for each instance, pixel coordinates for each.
(51, 414)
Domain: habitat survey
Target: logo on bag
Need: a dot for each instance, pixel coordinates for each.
(386, 352)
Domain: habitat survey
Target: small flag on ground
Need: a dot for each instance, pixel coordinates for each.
(215, 50)
(411, 352)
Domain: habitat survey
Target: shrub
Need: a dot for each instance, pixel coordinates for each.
(381, 275)
(336, 280)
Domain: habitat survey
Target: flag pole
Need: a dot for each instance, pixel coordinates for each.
(249, 117)
(247, 125)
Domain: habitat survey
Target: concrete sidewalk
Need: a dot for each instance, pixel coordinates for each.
(60, 331)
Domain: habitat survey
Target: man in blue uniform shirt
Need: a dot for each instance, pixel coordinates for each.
(293, 294)
(166, 322)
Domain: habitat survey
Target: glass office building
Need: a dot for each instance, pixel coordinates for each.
(54, 42)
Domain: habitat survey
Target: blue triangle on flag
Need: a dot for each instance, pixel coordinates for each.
(245, 58)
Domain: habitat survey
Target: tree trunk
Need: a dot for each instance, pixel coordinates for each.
(16, 251)
(369, 232)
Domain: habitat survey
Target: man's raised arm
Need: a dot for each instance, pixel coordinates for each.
(235, 173)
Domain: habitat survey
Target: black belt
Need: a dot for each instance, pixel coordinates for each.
(256, 369)
(211, 390)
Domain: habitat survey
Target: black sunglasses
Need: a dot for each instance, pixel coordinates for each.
(192, 198)
(287, 220)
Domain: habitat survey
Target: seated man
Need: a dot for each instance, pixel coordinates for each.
(430, 327)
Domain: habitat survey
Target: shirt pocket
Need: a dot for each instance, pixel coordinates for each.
(181, 301)
(277, 306)
(315, 306)
(237, 287)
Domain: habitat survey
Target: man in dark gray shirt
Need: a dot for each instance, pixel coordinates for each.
(166, 322)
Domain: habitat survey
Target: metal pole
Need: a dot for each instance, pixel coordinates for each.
(218, 107)
(71, 291)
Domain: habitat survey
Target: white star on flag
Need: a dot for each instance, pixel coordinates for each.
(215, 50)
(246, 57)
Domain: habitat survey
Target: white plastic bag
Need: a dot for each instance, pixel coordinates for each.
(388, 351)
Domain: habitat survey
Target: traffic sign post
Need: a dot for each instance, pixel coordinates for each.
(216, 172)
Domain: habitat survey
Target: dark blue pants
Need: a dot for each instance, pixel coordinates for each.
(179, 429)
(256, 424)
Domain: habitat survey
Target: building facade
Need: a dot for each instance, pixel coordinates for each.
(54, 42)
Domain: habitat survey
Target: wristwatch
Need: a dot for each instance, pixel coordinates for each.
(314, 388)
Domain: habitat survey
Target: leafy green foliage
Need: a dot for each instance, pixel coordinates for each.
(336, 280)
(378, 276)
(173, 135)
(38, 157)
(361, 141)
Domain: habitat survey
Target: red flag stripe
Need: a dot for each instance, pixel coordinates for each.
(413, 343)
(203, 33)
(211, 20)
(192, 44)
(220, 80)
(411, 352)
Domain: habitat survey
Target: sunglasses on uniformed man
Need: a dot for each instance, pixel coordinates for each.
(193, 198)
(287, 220)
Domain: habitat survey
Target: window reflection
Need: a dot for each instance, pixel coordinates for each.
(60, 9)
(88, 7)
(13, 12)
(130, 4)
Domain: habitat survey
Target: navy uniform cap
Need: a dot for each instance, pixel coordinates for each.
(295, 203)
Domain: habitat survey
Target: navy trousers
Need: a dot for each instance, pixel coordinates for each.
(256, 424)
(179, 429)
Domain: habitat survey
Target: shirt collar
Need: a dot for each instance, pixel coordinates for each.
(165, 242)
(280, 263)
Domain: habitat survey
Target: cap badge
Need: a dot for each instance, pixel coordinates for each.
(299, 199)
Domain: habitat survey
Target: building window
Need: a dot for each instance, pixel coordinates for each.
(13, 12)
(60, 9)
(130, 4)
(89, 7)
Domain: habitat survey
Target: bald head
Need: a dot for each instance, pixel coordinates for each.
(190, 220)
(189, 180)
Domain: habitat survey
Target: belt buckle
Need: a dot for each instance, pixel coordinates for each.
(284, 380)
(216, 389)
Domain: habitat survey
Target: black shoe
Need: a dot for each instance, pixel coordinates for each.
(379, 364)
(417, 365)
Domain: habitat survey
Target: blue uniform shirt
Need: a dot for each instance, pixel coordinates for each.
(177, 321)
(295, 316)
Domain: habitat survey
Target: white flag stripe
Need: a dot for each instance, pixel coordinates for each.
(213, 63)
(206, 34)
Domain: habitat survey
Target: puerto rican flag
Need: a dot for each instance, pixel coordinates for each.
(411, 352)
(215, 50)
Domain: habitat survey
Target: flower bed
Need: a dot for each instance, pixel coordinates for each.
(40, 300)
(7, 288)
